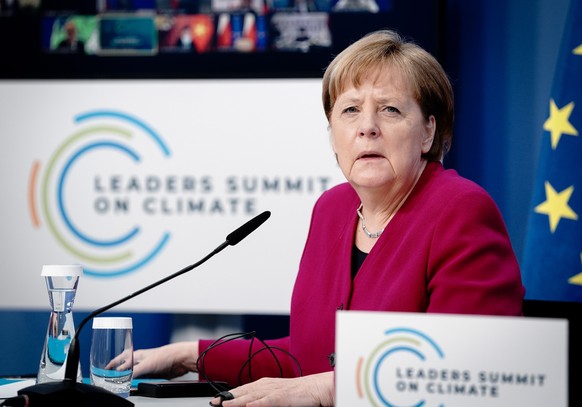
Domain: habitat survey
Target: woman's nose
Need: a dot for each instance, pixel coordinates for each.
(368, 127)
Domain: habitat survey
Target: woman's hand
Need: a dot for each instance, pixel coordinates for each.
(167, 361)
(312, 390)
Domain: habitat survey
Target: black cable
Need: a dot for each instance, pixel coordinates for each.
(252, 355)
(201, 358)
(270, 349)
(200, 362)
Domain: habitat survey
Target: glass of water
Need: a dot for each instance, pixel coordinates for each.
(111, 355)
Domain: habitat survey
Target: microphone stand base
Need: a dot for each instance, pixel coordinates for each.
(72, 393)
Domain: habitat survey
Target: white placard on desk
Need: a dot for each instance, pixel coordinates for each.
(409, 359)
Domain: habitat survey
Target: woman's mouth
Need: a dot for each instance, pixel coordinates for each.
(369, 156)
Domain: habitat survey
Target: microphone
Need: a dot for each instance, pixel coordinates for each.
(69, 391)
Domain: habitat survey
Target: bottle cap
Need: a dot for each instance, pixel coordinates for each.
(112, 323)
(62, 270)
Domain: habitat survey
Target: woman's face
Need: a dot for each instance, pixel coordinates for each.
(379, 133)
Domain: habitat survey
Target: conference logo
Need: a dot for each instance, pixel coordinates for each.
(389, 375)
(80, 193)
(112, 195)
(408, 368)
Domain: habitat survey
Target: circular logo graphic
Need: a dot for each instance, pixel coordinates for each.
(68, 195)
(382, 376)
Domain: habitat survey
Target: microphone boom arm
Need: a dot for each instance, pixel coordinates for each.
(73, 356)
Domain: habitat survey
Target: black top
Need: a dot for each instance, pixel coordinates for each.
(358, 258)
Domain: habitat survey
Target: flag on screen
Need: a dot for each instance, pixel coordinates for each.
(552, 264)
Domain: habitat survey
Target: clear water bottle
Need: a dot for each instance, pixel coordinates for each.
(61, 282)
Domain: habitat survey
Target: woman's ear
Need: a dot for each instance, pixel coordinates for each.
(429, 132)
(331, 140)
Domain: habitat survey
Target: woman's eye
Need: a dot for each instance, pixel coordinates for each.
(391, 109)
(350, 109)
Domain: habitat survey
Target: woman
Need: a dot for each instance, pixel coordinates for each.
(403, 234)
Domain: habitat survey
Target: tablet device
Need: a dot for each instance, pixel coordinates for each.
(180, 388)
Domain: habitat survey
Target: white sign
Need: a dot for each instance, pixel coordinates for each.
(135, 180)
(437, 360)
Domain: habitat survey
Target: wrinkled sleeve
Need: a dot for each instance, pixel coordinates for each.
(243, 360)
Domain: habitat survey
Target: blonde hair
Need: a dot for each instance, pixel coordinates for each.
(427, 79)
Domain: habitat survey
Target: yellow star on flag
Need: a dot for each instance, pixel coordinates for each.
(556, 205)
(559, 122)
(577, 50)
(200, 29)
(577, 279)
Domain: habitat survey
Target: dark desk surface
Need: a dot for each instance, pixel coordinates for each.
(9, 388)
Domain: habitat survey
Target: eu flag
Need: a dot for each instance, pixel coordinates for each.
(552, 263)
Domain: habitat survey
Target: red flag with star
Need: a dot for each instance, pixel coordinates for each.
(202, 31)
(552, 264)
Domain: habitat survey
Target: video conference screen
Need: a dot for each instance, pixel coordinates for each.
(197, 38)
